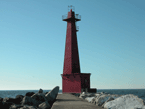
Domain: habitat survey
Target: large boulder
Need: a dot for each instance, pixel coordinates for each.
(15, 106)
(1, 99)
(7, 105)
(109, 99)
(40, 91)
(29, 101)
(28, 107)
(39, 97)
(44, 105)
(1, 105)
(102, 98)
(29, 94)
(18, 99)
(9, 100)
(89, 99)
(51, 96)
(45, 93)
(125, 102)
(6, 99)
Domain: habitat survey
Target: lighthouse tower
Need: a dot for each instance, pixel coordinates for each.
(73, 81)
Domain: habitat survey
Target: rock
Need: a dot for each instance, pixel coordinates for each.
(89, 99)
(6, 105)
(29, 101)
(40, 91)
(97, 95)
(9, 100)
(51, 96)
(109, 99)
(28, 107)
(45, 93)
(29, 94)
(84, 95)
(102, 92)
(45, 105)
(1, 99)
(101, 99)
(125, 102)
(91, 94)
(18, 99)
(76, 94)
(15, 106)
(1, 105)
(39, 97)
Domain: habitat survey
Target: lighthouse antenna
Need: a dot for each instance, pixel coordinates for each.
(71, 7)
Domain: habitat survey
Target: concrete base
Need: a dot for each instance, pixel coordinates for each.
(69, 101)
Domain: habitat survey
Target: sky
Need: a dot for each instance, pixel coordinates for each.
(111, 42)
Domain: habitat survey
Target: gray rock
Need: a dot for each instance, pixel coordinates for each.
(20, 96)
(28, 107)
(29, 94)
(91, 94)
(40, 91)
(1, 99)
(1, 105)
(45, 105)
(15, 106)
(109, 99)
(6, 99)
(39, 97)
(102, 92)
(29, 101)
(76, 94)
(102, 98)
(84, 95)
(89, 99)
(18, 99)
(97, 95)
(45, 93)
(6, 105)
(125, 102)
(9, 100)
(51, 96)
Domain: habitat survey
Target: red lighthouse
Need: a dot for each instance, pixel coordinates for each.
(73, 81)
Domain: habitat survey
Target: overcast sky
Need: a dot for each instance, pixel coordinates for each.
(111, 43)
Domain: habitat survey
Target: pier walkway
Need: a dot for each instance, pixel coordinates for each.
(69, 101)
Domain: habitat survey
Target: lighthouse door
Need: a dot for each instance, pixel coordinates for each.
(86, 89)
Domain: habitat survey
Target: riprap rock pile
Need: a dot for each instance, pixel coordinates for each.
(31, 100)
(113, 101)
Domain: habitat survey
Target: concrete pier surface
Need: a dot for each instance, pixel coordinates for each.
(69, 101)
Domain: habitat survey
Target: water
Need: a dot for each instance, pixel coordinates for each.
(139, 92)
(14, 93)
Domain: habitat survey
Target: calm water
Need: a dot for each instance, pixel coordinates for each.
(139, 92)
(14, 93)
